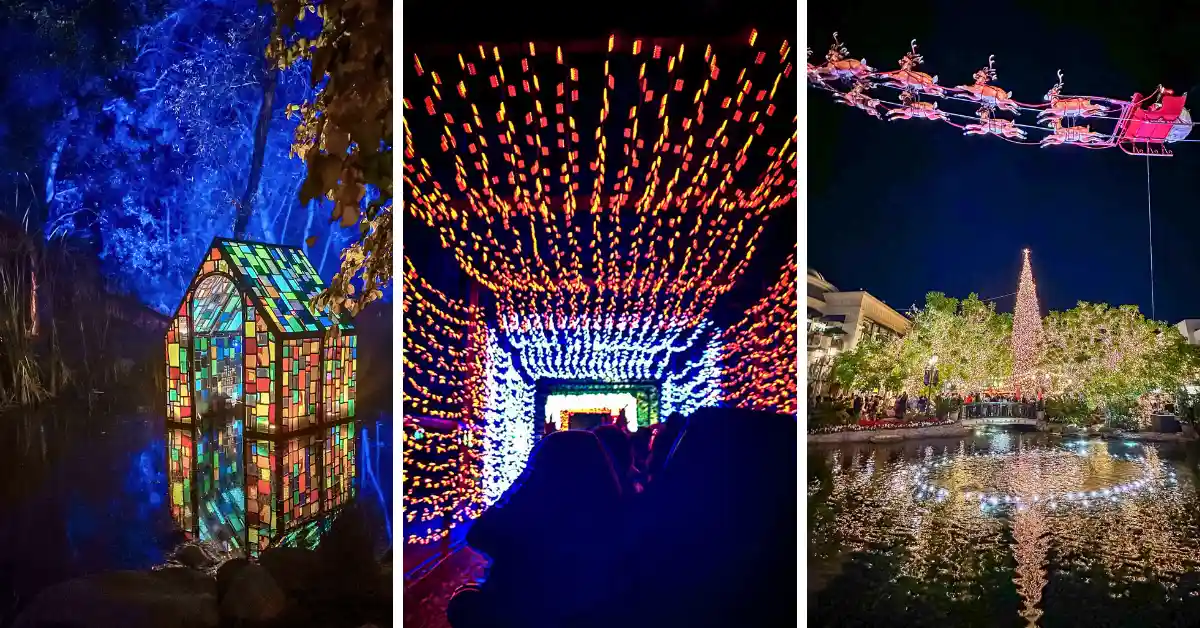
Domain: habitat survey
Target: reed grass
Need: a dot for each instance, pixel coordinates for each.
(58, 328)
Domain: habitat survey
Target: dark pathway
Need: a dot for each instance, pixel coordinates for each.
(425, 599)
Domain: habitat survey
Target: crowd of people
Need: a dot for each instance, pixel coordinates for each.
(691, 522)
(872, 407)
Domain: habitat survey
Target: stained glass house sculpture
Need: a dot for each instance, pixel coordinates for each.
(260, 400)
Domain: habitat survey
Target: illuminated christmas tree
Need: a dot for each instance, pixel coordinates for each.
(1027, 328)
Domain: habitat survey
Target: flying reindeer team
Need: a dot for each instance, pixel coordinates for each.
(914, 84)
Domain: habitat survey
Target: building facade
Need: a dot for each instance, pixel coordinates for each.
(1190, 328)
(837, 321)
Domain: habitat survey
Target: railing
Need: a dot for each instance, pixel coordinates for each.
(999, 410)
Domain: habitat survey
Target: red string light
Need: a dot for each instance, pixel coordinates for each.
(761, 353)
(665, 227)
(664, 223)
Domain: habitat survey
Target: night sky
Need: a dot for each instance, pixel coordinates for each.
(907, 207)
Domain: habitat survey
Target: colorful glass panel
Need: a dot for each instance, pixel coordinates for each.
(284, 282)
(260, 494)
(341, 353)
(339, 465)
(216, 306)
(307, 535)
(179, 477)
(301, 490)
(220, 478)
(226, 342)
(301, 375)
(218, 368)
(179, 393)
(214, 263)
(217, 348)
(260, 374)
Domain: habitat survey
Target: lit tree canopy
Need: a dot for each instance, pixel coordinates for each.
(970, 340)
(142, 130)
(1112, 356)
(345, 131)
(968, 337)
(873, 364)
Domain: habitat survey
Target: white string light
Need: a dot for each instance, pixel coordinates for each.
(508, 422)
(588, 350)
(928, 490)
(1027, 330)
(697, 385)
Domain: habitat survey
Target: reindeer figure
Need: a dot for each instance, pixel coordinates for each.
(989, 95)
(814, 71)
(857, 97)
(987, 125)
(838, 51)
(908, 79)
(1067, 107)
(914, 108)
(911, 59)
(839, 65)
(1070, 135)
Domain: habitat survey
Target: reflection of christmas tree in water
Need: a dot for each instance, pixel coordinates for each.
(1002, 442)
(1101, 466)
(1031, 535)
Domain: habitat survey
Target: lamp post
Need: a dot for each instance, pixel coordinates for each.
(931, 373)
(931, 376)
(816, 370)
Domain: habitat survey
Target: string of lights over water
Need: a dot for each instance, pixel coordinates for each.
(1003, 529)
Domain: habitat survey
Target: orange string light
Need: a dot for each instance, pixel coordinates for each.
(761, 350)
(639, 222)
(514, 222)
(443, 371)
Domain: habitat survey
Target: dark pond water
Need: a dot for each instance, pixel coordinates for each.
(1004, 529)
(82, 494)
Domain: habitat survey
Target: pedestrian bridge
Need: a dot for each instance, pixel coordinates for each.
(999, 413)
(999, 421)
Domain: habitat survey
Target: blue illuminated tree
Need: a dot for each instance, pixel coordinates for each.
(152, 148)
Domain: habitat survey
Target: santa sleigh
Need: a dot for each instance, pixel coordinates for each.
(1145, 129)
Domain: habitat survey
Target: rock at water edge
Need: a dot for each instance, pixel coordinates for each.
(170, 598)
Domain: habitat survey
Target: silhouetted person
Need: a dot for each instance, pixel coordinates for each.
(549, 540)
(620, 452)
(713, 540)
(622, 421)
(640, 443)
(664, 441)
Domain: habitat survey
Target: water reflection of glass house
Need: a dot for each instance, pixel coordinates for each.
(260, 400)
